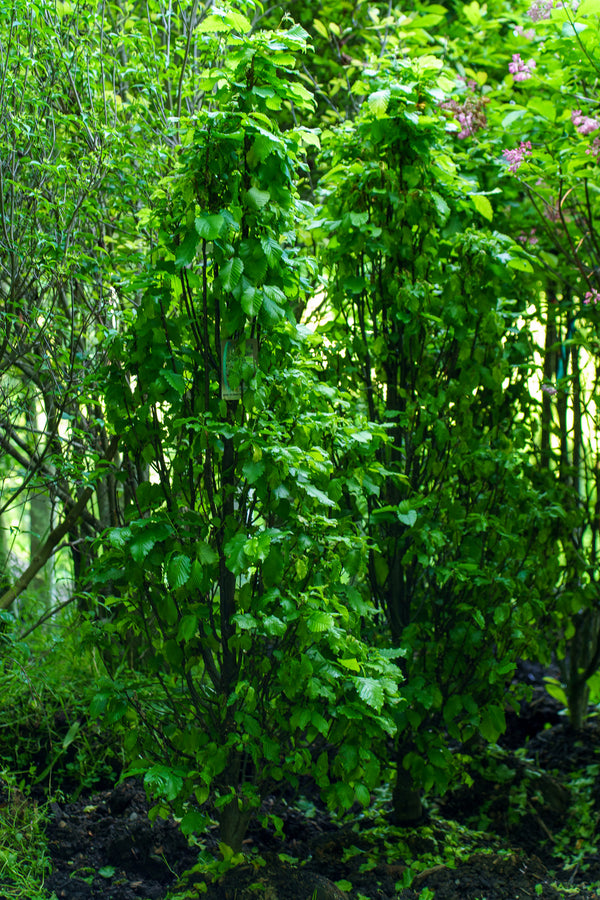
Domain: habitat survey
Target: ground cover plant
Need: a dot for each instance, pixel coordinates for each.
(298, 443)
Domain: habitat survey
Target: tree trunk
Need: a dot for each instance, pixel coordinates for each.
(406, 799)
(233, 823)
(40, 526)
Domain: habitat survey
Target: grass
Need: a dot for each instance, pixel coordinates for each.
(23, 852)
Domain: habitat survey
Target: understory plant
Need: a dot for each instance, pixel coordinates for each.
(234, 581)
(440, 351)
(23, 852)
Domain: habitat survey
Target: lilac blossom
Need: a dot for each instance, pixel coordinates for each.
(516, 157)
(519, 69)
(549, 389)
(584, 124)
(592, 297)
(469, 114)
(540, 10)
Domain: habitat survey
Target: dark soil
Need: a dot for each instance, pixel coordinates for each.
(104, 846)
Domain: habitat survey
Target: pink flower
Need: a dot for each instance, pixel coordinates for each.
(520, 32)
(594, 150)
(549, 389)
(531, 238)
(516, 157)
(584, 124)
(520, 70)
(591, 297)
(540, 10)
(470, 115)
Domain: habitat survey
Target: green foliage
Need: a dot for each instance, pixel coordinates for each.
(23, 853)
(547, 172)
(236, 572)
(46, 733)
(310, 542)
(424, 314)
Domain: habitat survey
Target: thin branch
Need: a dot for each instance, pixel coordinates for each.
(46, 550)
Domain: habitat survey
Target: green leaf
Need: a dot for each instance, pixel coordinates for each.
(194, 822)
(163, 782)
(231, 273)
(107, 871)
(209, 227)
(186, 251)
(239, 22)
(408, 518)
(272, 250)
(245, 621)
(441, 206)
(253, 471)
(350, 663)
(493, 723)
(256, 198)
(359, 219)
(501, 614)
(251, 301)
(178, 570)
(320, 621)
(319, 722)
(173, 654)
(313, 491)
(205, 553)
(519, 264)
(556, 690)
(119, 537)
(174, 380)
(483, 206)
(588, 7)
(235, 558)
(188, 627)
(274, 625)
(256, 548)
(370, 691)
(511, 117)
(544, 108)
(363, 796)
(378, 101)
(320, 28)
(479, 619)
(572, 29)
(212, 25)
(71, 734)
(166, 608)
(141, 546)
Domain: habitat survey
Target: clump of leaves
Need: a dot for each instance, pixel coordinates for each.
(578, 839)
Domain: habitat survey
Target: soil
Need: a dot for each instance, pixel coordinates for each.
(103, 845)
